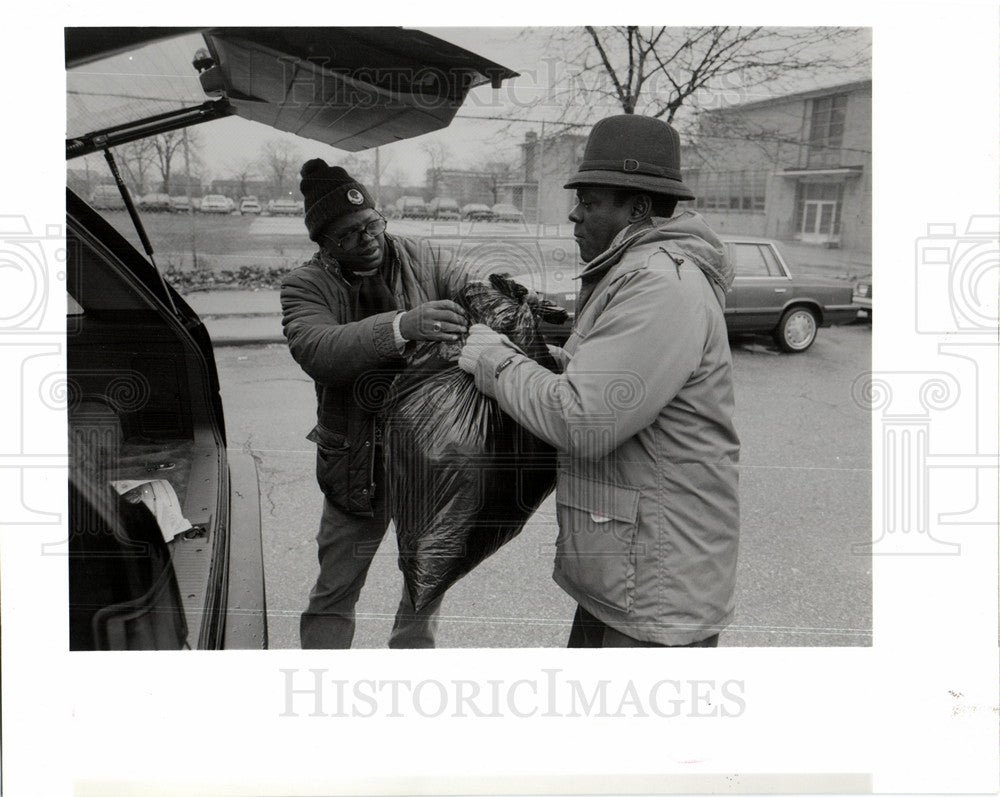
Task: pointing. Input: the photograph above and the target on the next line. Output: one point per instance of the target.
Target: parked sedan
(476, 212)
(765, 297)
(216, 203)
(863, 294)
(284, 207)
(249, 204)
(502, 212)
(155, 203)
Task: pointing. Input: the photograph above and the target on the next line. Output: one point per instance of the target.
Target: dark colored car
(863, 294)
(765, 297)
(164, 519)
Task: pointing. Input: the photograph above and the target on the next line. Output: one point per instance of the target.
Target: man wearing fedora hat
(642, 415)
(348, 315)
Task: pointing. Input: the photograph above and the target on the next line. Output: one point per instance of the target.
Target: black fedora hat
(630, 151)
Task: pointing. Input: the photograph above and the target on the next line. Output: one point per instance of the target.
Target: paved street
(805, 490)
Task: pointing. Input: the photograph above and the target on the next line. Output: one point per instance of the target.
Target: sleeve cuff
(400, 340)
(492, 363)
(385, 335)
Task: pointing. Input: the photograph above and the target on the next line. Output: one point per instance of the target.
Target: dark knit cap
(329, 192)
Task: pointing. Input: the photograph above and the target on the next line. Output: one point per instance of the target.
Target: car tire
(796, 331)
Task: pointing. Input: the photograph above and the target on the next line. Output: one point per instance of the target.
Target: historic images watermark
(317, 692)
(32, 348)
(938, 423)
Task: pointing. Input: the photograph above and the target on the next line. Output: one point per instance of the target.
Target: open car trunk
(144, 405)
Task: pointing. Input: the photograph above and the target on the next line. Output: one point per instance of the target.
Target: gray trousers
(347, 544)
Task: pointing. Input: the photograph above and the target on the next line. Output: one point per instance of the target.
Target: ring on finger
(437, 326)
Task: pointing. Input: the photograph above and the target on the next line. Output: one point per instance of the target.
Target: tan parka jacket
(642, 418)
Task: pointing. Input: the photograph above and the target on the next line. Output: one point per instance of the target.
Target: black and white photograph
(700, 475)
(413, 374)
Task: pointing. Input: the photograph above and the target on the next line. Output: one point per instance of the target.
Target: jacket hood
(688, 232)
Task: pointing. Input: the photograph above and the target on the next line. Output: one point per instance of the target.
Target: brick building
(796, 168)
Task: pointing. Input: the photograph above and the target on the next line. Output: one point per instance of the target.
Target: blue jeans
(347, 544)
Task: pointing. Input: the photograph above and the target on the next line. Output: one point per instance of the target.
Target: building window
(730, 191)
(826, 130)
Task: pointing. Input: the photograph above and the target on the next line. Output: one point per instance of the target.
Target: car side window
(752, 262)
(772, 261)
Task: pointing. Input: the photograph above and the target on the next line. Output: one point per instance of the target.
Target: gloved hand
(438, 320)
(481, 337)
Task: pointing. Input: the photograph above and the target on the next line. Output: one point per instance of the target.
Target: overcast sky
(522, 104)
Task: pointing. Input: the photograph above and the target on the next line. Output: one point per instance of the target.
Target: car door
(761, 287)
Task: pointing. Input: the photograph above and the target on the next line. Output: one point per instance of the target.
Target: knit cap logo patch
(354, 197)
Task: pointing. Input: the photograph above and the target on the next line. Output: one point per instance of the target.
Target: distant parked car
(216, 203)
(765, 298)
(155, 203)
(476, 212)
(107, 197)
(504, 212)
(284, 207)
(444, 208)
(249, 204)
(181, 204)
(412, 207)
(863, 294)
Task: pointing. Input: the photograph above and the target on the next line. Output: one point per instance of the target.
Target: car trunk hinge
(146, 245)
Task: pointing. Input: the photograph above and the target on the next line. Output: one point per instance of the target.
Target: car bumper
(246, 606)
(834, 314)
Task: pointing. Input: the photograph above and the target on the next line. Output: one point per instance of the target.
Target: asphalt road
(805, 495)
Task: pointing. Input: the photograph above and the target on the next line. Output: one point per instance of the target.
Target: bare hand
(442, 319)
(481, 337)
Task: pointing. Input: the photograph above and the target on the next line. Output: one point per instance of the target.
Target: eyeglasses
(353, 239)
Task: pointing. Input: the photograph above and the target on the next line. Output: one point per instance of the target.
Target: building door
(817, 221)
(818, 212)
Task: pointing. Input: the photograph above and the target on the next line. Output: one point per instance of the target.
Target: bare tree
(280, 160)
(244, 171)
(438, 156)
(655, 71)
(499, 172)
(369, 168)
(137, 158)
(165, 148)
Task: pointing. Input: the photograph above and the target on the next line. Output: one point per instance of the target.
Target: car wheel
(796, 330)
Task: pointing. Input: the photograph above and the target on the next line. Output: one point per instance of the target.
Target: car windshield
(137, 84)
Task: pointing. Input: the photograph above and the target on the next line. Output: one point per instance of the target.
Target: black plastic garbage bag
(463, 477)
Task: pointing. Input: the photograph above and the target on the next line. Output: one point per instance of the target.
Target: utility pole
(378, 188)
(541, 177)
(187, 190)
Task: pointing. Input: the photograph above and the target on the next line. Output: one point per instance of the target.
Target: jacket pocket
(332, 463)
(596, 547)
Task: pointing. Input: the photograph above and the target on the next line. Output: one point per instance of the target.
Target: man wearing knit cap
(642, 416)
(348, 315)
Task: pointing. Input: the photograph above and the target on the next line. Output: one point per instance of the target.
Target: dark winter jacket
(352, 360)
